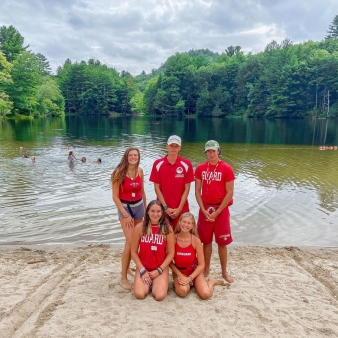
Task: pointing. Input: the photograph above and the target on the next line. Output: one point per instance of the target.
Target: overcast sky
(140, 35)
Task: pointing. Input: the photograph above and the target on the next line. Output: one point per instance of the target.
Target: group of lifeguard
(164, 233)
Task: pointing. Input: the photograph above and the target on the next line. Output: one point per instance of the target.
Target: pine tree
(333, 29)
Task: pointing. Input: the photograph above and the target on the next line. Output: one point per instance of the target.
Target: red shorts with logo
(220, 227)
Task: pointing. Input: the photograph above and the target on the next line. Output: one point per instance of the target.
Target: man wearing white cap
(214, 189)
(172, 176)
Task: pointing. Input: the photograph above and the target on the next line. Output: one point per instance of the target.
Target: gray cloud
(140, 35)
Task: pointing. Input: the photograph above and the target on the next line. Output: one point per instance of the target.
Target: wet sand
(75, 292)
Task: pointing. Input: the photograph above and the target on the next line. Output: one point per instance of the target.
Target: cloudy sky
(140, 35)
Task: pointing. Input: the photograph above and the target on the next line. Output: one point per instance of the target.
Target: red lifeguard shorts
(220, 227)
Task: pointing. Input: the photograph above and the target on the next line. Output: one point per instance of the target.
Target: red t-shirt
(172, 179)
(152, 249)
(131, 189)
(213, 179)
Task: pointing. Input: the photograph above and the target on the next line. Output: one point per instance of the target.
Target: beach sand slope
(75, 292)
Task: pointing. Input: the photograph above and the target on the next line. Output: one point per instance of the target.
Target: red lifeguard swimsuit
(185, 258)
(152, 251)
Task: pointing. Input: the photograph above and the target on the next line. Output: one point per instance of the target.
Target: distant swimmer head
(98, 160)
(83, 159)
(33, 158)
(24, 156)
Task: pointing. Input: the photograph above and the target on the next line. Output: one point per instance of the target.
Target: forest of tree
(285, 80)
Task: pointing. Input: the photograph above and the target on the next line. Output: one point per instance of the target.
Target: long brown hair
(163, 225)
(120, 172)
(193, 230)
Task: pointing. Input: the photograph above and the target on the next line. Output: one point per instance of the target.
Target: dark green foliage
(11, 43)
(333, 29)
(93, 88)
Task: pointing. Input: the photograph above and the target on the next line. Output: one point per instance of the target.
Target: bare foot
(213, 281)
(228, 277)
(206, 272)
(126, 284)
(130, 272)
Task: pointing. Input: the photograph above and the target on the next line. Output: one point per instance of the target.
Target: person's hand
(128, 222)
(169, 211)
(184, 280)
(208, 216)
(146, 279)
(175, 213)
(153, 274)
(213, 216)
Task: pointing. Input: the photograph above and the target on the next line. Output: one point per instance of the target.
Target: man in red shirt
(172, 176)
(214, 189)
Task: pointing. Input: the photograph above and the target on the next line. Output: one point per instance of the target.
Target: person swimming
(97, 161)
(71, 157)
(83, 160)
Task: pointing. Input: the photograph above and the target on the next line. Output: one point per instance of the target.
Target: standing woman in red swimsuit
(188, 264)
(152, 250)
(130, 200)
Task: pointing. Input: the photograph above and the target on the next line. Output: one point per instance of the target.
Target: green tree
(49, 98)
(333, 29)
(26, 79)
(43, 64)
(11, 43)
(5, 79)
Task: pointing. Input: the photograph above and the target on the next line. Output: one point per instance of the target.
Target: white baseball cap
(174, 139)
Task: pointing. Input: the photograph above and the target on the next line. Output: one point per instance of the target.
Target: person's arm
(135, 242)
(142, 190)
(198, 188)
(160, 197)
(229, 188)
(127, 219)
(169, 257)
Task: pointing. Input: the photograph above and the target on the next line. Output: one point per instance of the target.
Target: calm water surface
(286, 190)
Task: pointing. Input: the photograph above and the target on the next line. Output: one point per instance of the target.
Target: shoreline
(73, 291)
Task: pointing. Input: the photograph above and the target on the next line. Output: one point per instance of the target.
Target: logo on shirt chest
(179, 172)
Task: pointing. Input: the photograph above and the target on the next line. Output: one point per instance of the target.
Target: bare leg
(207, 251)
(140, 289)
(160, 285)
(223, 257)
(181, 290)
(204, 288)
(125, 258)
(130, 271)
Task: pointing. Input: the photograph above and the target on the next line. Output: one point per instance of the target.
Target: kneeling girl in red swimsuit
(152, 250)
(188, 264)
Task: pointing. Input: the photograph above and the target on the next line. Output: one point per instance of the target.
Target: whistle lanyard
(209, 178)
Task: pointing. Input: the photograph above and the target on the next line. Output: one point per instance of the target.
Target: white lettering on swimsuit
(211, 176)
(183, 253)
(153, 239)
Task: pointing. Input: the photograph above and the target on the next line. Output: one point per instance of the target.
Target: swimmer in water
(24, 156)
(97, 161)
(71, 157)
(33, 159)
(83, 160)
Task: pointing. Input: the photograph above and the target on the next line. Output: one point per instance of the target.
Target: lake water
(286, 190)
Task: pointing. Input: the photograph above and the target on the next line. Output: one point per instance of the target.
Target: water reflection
(286, 189)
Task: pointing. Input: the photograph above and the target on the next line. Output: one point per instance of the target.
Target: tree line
(284, 80)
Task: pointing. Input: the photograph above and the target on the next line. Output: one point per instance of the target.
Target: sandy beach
(75, 292)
